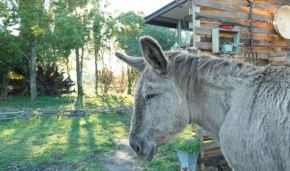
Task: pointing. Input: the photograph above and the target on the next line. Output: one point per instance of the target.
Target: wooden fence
(77, 112)
(9, 113)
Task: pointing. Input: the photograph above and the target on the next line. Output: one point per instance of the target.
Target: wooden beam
(212, 151)
(238, 15)
(208, 46)
(278, 41)
(215, 5)
(211, 158)
(257, 4)
(209, 145)
(195, 23)
(281, 2)
(228, 20)
(234, 6)
(179, 32)
(246, 42)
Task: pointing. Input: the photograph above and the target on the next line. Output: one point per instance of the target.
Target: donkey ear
(137, 63)
(153, 54)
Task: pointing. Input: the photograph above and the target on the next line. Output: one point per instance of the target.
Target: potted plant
(188, 151)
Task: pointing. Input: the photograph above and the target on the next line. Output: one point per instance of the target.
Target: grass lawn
(71, 143)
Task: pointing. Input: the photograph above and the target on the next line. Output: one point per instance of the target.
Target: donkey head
(160, 110)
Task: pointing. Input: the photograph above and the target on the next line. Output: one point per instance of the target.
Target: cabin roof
(168, 15)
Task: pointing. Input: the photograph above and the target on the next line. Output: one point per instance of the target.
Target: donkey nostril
(136, 147)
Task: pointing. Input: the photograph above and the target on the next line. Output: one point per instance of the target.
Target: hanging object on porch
(178, 4)
(227, 26)
(282, 22)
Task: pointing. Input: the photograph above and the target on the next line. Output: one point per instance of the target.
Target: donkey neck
(208, 83)
(208, 106)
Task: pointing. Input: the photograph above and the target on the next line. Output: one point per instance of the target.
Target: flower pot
(227, 48)
(188, 161)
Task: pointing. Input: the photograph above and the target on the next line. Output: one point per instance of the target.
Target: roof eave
(162, 11)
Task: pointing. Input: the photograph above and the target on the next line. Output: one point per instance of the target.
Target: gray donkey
(245, 107)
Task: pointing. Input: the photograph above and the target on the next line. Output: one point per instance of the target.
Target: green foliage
(67, 34)
(132, 27)
(166, 37)
(3, 9)
(8, 47)
(189, 145)
(103, 29)
(9, 59)
(34, 18)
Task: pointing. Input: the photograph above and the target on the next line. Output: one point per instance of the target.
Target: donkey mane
(189, 68)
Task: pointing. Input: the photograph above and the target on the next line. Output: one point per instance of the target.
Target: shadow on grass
(106, 101)
(22, 142)
(70, 143)
(74, 134)
(79, 103)
(90, 133)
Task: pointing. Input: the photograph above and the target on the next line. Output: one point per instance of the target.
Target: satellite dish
(282, 22)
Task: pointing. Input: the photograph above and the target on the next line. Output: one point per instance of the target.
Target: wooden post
(195, 23)
(200, 166)
(179, 32)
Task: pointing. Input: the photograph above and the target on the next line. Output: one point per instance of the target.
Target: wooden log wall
(266, 40)
(210, 149)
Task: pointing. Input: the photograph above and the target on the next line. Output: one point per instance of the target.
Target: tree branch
(25, 56)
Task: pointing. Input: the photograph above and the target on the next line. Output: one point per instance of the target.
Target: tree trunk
(33, 90)
(67, 67)
(78, 70)
(4, 86)
(81, 69)
(131, 76)
(122, 84)
(96, 71)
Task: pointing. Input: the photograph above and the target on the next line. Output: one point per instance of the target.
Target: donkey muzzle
(144, 151)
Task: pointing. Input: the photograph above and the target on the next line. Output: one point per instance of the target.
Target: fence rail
(9, 113)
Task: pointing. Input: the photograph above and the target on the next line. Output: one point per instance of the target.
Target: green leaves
(8, 47)
(132, 26)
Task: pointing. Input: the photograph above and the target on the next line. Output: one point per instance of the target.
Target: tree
(72, 32)
(166, 37)
(9, 57)
(66, 36)
(103, 31)
(34, 19)
(132, 27)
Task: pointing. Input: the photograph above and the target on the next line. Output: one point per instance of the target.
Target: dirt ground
(220, 165)
(124, 159)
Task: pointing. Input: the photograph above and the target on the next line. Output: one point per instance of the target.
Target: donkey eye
(150, 96)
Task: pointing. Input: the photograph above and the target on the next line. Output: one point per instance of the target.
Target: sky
(146, 6)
